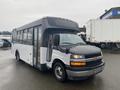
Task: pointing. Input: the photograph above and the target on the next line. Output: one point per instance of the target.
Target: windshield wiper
(80, 44)
(67, 43)
(71, 44)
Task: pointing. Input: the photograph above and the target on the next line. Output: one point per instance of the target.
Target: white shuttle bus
(52, 43)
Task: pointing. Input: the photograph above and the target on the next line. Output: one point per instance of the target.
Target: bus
(52, 43)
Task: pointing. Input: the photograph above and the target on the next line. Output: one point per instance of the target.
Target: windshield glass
(68, 39)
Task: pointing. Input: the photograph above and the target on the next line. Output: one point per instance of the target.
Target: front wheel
(59, 72)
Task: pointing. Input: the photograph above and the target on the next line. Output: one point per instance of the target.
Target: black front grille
(93, 63)
(92, 55)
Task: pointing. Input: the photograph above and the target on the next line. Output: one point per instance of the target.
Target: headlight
(77, 56)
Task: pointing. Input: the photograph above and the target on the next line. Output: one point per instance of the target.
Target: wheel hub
(58, 72)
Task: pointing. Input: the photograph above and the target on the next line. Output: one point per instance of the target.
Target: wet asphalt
(20, 76)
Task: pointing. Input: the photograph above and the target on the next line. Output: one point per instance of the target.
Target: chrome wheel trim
(58, 72)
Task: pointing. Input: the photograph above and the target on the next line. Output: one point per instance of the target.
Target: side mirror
(56, 40)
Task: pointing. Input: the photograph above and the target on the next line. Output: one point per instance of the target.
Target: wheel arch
(57, 60)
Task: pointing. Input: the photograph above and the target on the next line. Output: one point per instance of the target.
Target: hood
(85, 49)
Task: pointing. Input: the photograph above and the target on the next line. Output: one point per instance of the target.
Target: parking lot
(20, 76)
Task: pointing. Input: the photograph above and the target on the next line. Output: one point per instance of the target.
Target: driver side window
(56, 40)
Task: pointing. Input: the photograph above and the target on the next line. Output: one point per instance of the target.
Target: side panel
(25, 51)
(103, 30)
(116, 30)
(65, 58)
(43, 54)
(88, 31)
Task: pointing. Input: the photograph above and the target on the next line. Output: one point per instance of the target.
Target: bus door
(35, 46)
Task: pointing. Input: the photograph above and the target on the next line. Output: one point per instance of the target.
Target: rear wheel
(17, 56)
(103, 45)
(59, 72)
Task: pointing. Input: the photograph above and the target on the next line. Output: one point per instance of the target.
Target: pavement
(21, 76)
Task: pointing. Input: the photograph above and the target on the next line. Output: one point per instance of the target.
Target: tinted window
(18, 36)
(25, 36)
(21, 37)
(30, 36)
(14, 36)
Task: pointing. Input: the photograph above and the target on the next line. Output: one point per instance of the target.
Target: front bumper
(86, 72)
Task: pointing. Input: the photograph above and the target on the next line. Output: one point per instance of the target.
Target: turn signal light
(77, 63)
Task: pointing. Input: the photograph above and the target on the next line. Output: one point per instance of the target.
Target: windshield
(68, 39)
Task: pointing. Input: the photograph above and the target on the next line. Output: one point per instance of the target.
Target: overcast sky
(15, 13)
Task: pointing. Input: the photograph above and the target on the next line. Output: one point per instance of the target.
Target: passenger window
(21, 36)
(18, 36)
(14, 36)
(40, 33)
(25, 36)
(30, 36)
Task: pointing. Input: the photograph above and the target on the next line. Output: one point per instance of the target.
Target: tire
(103, 45)
(91, 77)
(59, 72)
(17, 56)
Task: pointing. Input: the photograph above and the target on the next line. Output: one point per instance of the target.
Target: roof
(114, 8)
(52, 22)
